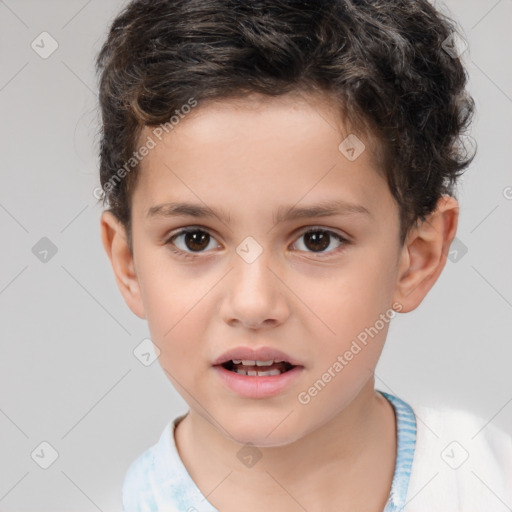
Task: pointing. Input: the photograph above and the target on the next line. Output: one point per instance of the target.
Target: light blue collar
(406, 442)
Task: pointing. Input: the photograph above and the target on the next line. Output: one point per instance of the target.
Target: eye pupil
(321, 239)
(195, 240)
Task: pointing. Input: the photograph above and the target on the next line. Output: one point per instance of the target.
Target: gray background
(68, 374)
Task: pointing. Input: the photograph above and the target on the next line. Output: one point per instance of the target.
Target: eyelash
(187, 255)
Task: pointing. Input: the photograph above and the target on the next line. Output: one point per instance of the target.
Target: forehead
(259, 148)
(254, 114)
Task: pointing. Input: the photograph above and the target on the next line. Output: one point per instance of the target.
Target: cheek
(355, 304)
(352, 297)
(165, 291)
(177, 307)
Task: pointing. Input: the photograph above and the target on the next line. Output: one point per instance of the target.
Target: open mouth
(257, 368)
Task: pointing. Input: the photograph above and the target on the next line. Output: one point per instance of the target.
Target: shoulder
(137, 481)
(461, 462)
(158, 481)
(142, 477)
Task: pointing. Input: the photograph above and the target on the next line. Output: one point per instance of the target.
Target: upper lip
(256, 354)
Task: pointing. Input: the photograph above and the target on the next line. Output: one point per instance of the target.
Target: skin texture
(248, 158)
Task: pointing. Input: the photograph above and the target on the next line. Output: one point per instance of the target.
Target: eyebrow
(323, 209)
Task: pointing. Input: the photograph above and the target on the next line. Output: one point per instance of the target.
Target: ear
(424, 254)
(115, 242)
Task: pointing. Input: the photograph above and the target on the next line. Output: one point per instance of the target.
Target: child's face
(250, 164)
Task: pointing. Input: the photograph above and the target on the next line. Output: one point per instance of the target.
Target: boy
(237, 136)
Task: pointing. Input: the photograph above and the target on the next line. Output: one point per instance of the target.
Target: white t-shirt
(447, 461)
(461, 463)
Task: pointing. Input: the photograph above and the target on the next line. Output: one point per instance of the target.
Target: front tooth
(264, 363)
(247, 362)
(271, 372)
(258, 374)
(237, 361)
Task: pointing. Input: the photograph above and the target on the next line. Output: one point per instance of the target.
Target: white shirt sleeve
(462, 463)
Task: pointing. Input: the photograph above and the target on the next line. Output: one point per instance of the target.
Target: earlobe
(114, 239)
(424, 254)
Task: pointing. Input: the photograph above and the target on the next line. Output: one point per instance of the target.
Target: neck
(355, 449)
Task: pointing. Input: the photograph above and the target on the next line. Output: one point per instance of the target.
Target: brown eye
(196, 240)
(318, 240)
(192, 240)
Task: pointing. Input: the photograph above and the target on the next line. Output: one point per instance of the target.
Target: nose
(256, 296)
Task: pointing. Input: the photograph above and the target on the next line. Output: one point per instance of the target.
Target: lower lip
(252, 386)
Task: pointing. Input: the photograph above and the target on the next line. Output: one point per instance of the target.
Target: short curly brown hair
(383, 62)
